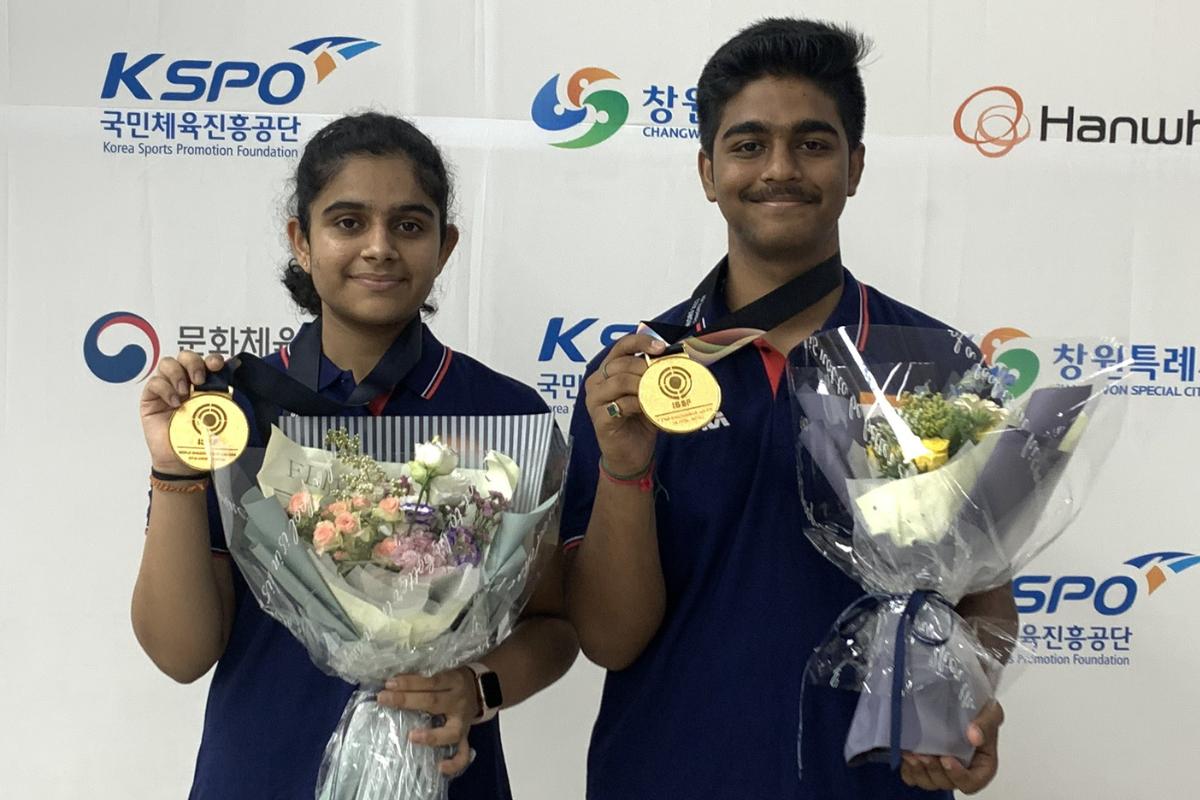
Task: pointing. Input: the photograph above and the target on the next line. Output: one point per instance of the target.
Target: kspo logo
(560, 336)
(132, 360)
(195, 79)
(1111, 596)
(993, 119)
(607, 109)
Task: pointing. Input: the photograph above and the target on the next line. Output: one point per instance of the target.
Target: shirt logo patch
(719, 421)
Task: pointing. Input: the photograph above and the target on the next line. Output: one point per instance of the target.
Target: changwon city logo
(598, 112)
(1138, 369)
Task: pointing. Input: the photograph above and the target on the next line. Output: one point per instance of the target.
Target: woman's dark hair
(827, 55)
(361, 134)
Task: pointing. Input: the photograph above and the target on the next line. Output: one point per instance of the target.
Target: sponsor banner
(1018, 185)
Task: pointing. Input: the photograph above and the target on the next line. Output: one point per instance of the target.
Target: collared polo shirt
(711, 707)
(270, 711)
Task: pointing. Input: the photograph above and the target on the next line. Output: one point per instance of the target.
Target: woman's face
(373, 248)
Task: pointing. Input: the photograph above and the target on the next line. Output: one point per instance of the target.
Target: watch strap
(486, 712)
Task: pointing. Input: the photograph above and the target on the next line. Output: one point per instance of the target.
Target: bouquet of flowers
(380, 567)
(927, 478)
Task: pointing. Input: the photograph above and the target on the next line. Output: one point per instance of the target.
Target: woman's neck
(355, 347)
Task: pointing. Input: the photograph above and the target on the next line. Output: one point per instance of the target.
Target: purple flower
(419, 513)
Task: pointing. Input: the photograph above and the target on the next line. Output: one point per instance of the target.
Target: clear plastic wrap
(414, 555)
(928, 475)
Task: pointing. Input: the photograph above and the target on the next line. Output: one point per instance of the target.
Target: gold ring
(613, 409)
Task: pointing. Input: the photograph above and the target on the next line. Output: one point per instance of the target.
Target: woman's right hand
(164, 392)
(626, 440)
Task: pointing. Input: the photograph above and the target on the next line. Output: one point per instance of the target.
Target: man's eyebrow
(814, 126)
(801, 127)
(749, 126)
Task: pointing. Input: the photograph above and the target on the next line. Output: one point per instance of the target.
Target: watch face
(489, 682)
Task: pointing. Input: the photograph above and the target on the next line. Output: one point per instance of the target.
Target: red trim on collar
(431, 389)
(285, 353)
(376, 406)
(774, 363)
(864, 318)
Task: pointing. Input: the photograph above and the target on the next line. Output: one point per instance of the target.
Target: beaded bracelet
(179, 484)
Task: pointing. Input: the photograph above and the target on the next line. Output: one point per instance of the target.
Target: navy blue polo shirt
(710, 709)
(270, 711)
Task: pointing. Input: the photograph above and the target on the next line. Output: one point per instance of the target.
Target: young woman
(369, 236)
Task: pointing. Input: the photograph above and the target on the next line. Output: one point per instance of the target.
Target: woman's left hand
(451, 695)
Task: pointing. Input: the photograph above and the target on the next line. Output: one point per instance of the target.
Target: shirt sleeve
(582, 472)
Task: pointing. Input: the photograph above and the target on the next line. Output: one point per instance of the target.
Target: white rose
(502, 473)
(449, 489)
(436, 457)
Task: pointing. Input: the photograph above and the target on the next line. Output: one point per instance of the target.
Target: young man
(690, 578)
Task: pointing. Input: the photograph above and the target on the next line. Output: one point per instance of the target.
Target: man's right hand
(626, 438)
(164, 392)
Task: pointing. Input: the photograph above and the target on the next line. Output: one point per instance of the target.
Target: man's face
(781, 169)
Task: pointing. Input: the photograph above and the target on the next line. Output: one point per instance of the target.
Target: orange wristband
(180, 487)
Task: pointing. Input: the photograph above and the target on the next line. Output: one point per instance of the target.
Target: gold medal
(679, 395)
(209, 431)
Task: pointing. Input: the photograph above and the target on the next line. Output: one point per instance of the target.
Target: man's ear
(704, 165)
(857, 163)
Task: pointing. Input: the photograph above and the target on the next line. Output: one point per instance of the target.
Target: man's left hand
(946, 772)
(450, 694)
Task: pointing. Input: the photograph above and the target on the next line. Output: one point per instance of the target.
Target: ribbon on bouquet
(852, 619)
(907, 624)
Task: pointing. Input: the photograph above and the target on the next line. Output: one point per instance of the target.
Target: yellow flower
(938, 453)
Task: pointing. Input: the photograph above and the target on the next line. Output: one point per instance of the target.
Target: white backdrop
(1069, 238)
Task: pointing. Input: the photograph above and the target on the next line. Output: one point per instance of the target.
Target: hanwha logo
(210, 420)
(675, 383)
(992, 119)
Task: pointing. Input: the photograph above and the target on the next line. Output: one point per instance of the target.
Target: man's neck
(751, 277)
(353, 347)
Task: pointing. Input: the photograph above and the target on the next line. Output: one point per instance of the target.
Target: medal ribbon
(271, 391)
(739, 328)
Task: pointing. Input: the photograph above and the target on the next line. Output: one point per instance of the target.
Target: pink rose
(325, 537)
(387, 548)
(337, 509)
(388, 509)
(301, 503)
(358, 501)
(346, 522)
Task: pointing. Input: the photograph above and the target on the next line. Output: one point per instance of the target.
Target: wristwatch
(487, 690)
